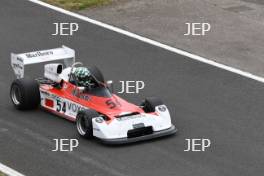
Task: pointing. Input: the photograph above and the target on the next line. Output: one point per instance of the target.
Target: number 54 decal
(61, 106)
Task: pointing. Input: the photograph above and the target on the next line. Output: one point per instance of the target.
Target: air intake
(139, 132)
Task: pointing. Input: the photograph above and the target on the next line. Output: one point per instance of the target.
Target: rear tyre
(84, 123)
(97, 73)
(150, 103)
(24, 94)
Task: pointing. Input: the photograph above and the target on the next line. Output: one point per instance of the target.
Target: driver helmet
(83, 76)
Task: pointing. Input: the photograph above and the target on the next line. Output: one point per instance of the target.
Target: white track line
(152, 42)
(8, 171)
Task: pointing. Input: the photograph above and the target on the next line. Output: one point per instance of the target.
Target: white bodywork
(53, 71)
(119, 127)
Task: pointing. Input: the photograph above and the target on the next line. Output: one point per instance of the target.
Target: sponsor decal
(67, 106)
(78, 94)
(39, 53)
(49, 103)
(99, 119)
(129, 117)
(17, 66)
(54, 96)
(73, 107)
(162, 108)
(19, 59)
(45, 93)
(85, 97)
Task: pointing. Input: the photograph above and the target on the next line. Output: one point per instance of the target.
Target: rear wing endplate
(18, 61)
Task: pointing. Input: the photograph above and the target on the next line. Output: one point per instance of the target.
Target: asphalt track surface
(205, 102)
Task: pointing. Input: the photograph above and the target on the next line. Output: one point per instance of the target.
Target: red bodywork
(109, 106)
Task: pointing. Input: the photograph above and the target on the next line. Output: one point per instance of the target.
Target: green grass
(77, 4)
(2, 174)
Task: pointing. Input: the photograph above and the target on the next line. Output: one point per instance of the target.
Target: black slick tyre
(84, 123)
(149, 104)
(24, 94)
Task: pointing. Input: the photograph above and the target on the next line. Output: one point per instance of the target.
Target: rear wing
(18, 61)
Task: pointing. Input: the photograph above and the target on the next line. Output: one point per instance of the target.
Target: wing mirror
(110, 85)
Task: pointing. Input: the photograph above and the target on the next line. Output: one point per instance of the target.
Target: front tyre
(149, 104)
(84, 123)
(24, 94)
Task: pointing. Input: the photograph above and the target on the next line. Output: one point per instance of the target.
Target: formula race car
(80, 94)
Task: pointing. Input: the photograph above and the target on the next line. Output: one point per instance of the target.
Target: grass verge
(2, 174)
(77, 4)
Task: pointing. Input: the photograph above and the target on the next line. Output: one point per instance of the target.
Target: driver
(83, 77)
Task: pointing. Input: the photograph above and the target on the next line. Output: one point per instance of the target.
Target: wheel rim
(16, 95)
(81, 127)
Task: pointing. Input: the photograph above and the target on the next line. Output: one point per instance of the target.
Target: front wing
(135, 127)
(170, 131)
